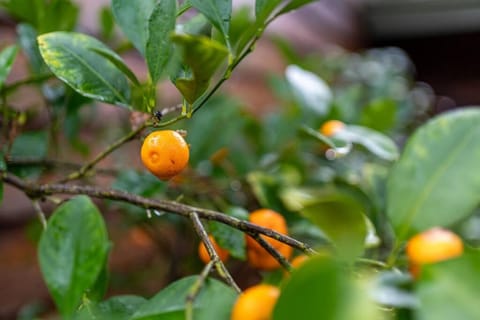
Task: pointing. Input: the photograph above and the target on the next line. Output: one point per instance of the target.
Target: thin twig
(39, 212)
(88, 166)
(272, 251)
(217, 262)
(195, 290)
(35, 190)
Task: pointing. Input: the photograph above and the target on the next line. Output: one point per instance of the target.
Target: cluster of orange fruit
(257, 256)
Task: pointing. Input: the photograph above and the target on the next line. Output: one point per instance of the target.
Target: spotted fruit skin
(165, 153)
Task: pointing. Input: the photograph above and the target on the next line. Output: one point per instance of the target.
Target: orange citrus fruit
(299, 260)
(433, 245)
(256, 303)
(258, 257)
(331, 127)
(203, 253)
(165, 153)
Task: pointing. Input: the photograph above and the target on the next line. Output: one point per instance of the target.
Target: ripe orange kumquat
(256, 303)
(331, 127)
(433, 245)
(165, 153)
(258, 257)
(205, 257)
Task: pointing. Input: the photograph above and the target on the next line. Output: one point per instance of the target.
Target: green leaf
(45, 16)
(202, 56)
(27, 36)
(72, 252)
(230, 238)
(218, 12)
(141, 183)
(7, 57)
(379, 115)
(56, 15)
(107, 22)
(117, 307)
(375, 142)
(309, 89)
(98, 290)
(28, 145)
(22, 9)
(449, 290)
(118, 62)
(264, 8)
(133, 17)
(294, 4)
(433, 183)
(340, 217)
(322, 289)
(159, 47)
(214, 301)
(74, 58)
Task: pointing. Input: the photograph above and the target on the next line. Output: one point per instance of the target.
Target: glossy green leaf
(214, 301)
(230, 238)
(106, 21)
(117, 307)
(141, 183)
(202, 56)
(159, 47)
(264, 8)
(22, 9)
(7, 57)
(27, 36)
(322, 288)
(341, 218)
(295, 4)
(217, 11)
(117, 62)
(56, 15)
(74, 58)
(45, 16)
(98, 290)
(393, 289)
(28, 145)
(375, 142)
(132, 17)
(309, 89)
(449, 290)
(72, 252)
(433, 183)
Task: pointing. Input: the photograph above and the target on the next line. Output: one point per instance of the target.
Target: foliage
(353, 198)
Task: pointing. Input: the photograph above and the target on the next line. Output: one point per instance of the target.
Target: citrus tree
(349, 201)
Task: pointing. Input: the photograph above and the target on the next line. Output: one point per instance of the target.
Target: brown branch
(217, 262)
(35, 190)
(195, 290)
(272, 251)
